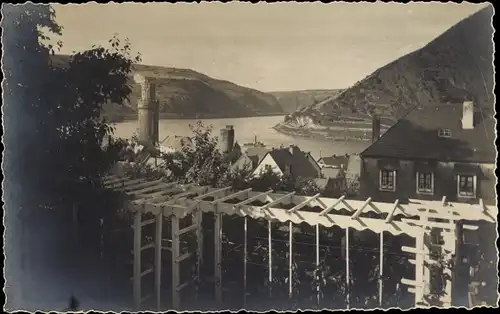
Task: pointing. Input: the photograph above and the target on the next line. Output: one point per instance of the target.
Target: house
(438, 151)
(175, 143)
(332, 182)
(334, 161)
(250, 159)
(288, 161)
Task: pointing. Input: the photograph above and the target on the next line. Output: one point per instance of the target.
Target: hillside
(188, 94)
(455, 66)
(292, 101)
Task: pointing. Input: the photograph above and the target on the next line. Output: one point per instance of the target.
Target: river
(245, 131)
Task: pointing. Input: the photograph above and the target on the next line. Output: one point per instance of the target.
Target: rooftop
(301, 165)
(416, 136)
(335, 160)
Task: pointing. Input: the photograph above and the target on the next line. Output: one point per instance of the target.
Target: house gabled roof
(301, 165)
(416, 136)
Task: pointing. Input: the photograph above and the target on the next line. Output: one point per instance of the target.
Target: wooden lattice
(164, 199)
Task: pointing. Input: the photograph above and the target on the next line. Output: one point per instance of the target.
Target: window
(466, 186)
(444, 133)
(387, 180)
(425, 182)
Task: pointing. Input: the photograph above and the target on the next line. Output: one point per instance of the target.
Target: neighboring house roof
(333, 173)
(301, 165)
(251, 157)
(177, 143)
(246, 161)
(416, 136)
(334, 161)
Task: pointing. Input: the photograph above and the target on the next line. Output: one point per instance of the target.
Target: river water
(245, 131)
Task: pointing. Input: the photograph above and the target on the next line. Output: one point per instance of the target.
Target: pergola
(170, 200)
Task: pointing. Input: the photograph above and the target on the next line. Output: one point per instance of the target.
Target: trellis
(415, 219)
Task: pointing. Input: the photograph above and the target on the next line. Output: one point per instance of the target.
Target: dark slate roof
(416, 136)
(301, 166)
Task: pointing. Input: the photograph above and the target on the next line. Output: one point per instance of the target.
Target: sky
(269, 47)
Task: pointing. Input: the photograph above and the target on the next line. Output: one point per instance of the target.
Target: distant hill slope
(292, 101)
(187, 93)
(455, 66)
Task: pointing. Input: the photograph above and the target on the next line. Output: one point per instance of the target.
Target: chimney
(291, 148)
(468, 115)
(375, 128)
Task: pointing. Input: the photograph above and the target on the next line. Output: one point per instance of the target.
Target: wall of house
(268, 160)
(445, 182)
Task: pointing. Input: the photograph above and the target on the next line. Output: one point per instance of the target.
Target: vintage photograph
(236, 156)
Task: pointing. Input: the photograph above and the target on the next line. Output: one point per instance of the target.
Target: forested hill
(187, 93)
(455, 66)
(292, 101)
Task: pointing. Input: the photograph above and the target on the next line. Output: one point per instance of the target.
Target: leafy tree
(55, 133)
(55, 151)
(202, 164)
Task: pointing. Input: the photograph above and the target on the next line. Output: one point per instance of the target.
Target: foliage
(53, 113)
(204, 164)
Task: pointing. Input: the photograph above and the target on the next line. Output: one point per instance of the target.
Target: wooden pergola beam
(459, 210)
(393, 211)
(360, 210)
(304, 203)
(214, 192)
(277, 201)
(251, 199)
(230, 196)
(331, 207)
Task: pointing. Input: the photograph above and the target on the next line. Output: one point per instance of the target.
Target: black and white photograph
(258, 156)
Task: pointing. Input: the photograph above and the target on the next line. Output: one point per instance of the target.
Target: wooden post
(420, 264)
(218, 252)
(381, 270)
(317, 265)
(158, 259)
(348, 296)
(270, 255)
(137, 259)
(290, 241)
(245, 263)
(199, 247)
(175, 264)
(450, 244)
